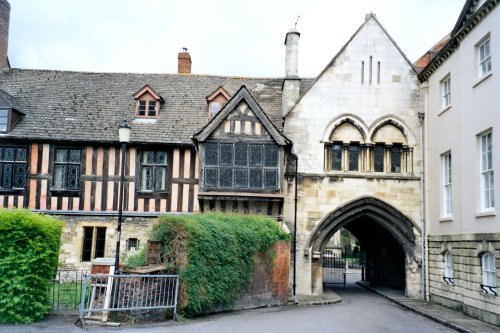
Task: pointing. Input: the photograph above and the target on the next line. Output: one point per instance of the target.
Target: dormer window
(146, 108)
(216, 101)
(147, 103)
(9, 112)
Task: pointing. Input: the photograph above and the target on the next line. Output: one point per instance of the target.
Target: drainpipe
(294, 285)
(421, 117)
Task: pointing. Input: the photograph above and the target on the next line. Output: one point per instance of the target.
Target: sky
(224, 37)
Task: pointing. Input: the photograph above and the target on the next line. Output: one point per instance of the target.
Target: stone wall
(320, 195)
(466, 294)
(72, 237)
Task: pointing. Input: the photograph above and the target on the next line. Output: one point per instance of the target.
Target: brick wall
(269, 286)
(184, 63)
(4, 32)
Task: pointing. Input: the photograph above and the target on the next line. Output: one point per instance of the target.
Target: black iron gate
(334, 268)
(66, 290)
(337, 266)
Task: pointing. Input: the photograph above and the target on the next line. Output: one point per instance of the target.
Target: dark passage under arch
(385, 234)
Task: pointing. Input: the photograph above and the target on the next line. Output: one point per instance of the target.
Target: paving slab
(441, 314)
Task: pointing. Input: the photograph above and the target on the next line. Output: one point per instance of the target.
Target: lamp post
(124, 135)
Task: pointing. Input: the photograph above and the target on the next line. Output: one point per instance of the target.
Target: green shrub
(214, 254)
(29, 249)
(138, 258)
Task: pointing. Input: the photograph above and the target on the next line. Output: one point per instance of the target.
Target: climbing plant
(214, 255)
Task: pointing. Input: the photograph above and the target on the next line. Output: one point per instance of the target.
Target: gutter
(421, 117)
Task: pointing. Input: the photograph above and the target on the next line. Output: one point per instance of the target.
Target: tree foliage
(29, 249)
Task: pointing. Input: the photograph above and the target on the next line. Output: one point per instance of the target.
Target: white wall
(474, 109)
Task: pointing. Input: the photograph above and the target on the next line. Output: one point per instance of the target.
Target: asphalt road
(359, 311)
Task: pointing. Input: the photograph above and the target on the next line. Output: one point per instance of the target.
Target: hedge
(29, 249)
(214, 254)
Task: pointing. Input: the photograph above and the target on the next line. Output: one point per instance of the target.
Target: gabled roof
(242, 95)
(88, 107)
(367, 19)
(217, 92)
(468, 19)
(148, 89)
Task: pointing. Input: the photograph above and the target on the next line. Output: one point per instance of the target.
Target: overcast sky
(224, 37)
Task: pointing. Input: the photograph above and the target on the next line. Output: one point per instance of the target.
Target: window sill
(241, 195)
(12, 191)
(152, 194)
(65, 193)
(481, 79)
(444, 110)
(485, 214)
(446, 219)
(145, 120)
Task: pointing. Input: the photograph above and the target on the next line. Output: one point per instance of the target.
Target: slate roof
(84, 106)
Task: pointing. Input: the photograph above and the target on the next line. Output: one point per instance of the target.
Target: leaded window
(337, 157)
(154, 171)
(241, 166)
(13, 167)
(378, 158)
(396, 158)
(353, 157)
(67, 165)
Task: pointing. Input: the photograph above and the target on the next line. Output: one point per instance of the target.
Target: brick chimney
(4, 33)
(184, 62)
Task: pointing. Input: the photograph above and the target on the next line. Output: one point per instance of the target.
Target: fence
(104, 293)
(66, 290)
(334, 268)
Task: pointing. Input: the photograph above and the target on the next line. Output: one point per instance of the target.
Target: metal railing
(66, 290)
(489, 289)
(104, 293)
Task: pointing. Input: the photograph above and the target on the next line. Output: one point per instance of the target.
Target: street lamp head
(124, 132)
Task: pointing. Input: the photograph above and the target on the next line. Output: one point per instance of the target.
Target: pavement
(442, 315)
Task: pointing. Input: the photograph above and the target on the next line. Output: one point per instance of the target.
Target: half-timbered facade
(60, 154)
(343, 150)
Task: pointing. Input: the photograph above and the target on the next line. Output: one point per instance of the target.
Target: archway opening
(385, 235)
(385, 258)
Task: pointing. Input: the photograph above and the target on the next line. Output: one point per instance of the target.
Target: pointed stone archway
(390, 238)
